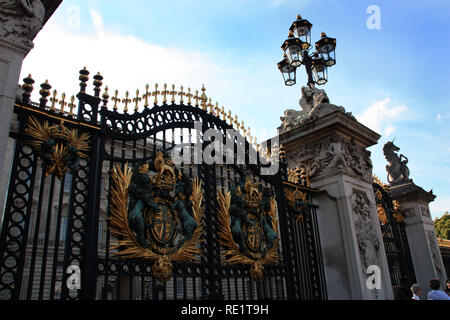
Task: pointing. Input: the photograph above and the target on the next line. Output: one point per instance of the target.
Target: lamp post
(296, 52)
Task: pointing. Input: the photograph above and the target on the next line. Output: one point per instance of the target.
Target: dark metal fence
(395, 239)
(57, 213)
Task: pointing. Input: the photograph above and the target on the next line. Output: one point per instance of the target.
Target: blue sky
(396, 79)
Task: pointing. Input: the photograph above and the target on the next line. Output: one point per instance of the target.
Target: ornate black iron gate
(73, 170)
(395, 240)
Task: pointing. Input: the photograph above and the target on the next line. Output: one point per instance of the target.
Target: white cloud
(380, 117)
(276, 3)
(439, 117)
(389, 130)
(129, 63)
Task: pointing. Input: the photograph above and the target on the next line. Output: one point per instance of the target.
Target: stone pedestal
(11, 57)
(422, 239)
(332, 147)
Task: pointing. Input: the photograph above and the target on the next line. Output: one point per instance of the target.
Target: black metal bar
(47, 235)
(89, 270)
(57, 236)
(36, 236)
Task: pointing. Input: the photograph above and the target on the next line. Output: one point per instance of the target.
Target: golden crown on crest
(165, 177)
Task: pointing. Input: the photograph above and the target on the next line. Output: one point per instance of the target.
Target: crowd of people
(415, 292)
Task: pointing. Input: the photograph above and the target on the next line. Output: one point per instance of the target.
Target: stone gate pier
(425, 251)
(331, 145)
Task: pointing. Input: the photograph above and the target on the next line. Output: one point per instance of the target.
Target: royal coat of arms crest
(248, 227)
(156, 214)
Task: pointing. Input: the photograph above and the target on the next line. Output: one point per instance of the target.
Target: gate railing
(395, 239)
(56, 235)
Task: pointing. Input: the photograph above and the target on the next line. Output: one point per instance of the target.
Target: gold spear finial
(204, 97)
(189, 96)
(165, 93)
(210, 106)
(155, 94)
(62, 103)
(182, 95)
(173, 93)
(71, 106)
(230, 118)
(54, 100)
(115, 99)
(126, 101)
(196, 98)
(146, 95)
(136, 101)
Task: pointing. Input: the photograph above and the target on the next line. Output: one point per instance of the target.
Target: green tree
(442, 226)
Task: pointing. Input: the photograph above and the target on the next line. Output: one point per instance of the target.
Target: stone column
(425, 253)
(20, 22)
(11, 57)
(331, 145)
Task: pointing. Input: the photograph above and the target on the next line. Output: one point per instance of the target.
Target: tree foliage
(442, 226)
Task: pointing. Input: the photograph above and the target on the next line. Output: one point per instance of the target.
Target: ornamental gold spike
(236, 122)
(115, 99)
(181, 94)
(146, 95)
(54, 100)
(155, 94)
(210, 106)
(165, 93)
(126, 101)
(222, 112)
(62, 103)
(204, 97)
(230, 118)
(196, 98)
(71, 106)
(189, 96)
(136, 101)
(173, 93)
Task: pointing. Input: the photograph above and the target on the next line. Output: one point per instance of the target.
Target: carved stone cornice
(410, 191)
(332, 143)
(330, 154)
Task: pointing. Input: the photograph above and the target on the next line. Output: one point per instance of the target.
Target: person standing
(447, 287)
(417, 292)
(436, 293)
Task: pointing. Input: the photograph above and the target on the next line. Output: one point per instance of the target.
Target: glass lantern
(292, 48)
(327, 49)
(320, 70)
(302, 29)
(288, 72)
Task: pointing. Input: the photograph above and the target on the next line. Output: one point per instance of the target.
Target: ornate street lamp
(287, 71)
(296, 50)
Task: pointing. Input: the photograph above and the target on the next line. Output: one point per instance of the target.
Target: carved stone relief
(332, 153)
(436, 253)
(21, 20)
(425, 211)
(368, 242)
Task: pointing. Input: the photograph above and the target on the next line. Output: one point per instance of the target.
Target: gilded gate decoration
(248, 228)
(92, 187)
(59, 147)
(158, 218)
